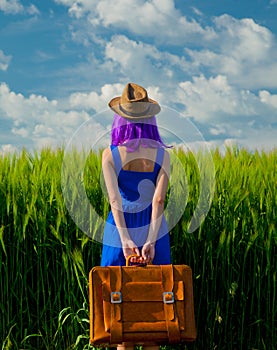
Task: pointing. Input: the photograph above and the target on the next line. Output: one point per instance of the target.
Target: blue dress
(137, 190)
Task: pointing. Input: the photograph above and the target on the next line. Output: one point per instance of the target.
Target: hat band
(134, 114)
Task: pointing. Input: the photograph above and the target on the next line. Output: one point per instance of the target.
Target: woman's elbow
(115, 203)
(158, 201)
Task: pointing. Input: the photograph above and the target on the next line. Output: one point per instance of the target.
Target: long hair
(132, 134)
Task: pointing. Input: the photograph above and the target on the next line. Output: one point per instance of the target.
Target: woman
(136, 170)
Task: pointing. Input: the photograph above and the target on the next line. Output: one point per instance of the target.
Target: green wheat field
(45, 257)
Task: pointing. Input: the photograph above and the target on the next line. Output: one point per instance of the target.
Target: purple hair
(132, 134)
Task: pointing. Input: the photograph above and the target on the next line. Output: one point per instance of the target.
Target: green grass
(45, 258)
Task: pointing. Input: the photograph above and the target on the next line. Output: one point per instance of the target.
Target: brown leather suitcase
(145, 305)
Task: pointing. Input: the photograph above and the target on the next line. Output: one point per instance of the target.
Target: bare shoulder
(106, 155)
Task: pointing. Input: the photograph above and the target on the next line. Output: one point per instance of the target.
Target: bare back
(142, 160)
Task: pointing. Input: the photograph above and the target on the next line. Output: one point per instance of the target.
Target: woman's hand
(148, 252)
(129, 248)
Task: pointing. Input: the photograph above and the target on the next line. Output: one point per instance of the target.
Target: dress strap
(116, 158)
(159, 159)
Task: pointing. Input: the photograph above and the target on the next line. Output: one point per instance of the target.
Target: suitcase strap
(172, 322)
(116, 324)
(170, 311)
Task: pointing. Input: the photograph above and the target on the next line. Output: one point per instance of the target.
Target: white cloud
(147, 18)
(209, 99)
(23, 132)
(153, 18)
(244, 38)
(269, 99)
(36, 121)
(240, 49)
(99, 102)
(41, 129)
(7, 148)
(244, 51)
(214, 100)
(196, 11)
(15, 7)
(224, 80)
(95, 101)
(17, 107)
(218, 130)
(11, 6)
(263, 139)
(4, 61)
(132, 59)
(129, 55)
(227, 113)
(32, 10)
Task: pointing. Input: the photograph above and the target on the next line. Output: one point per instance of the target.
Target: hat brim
(153, 108)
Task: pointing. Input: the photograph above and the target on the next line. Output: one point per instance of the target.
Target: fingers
(146, 253)
(130, 249)
(136, 260)
(136, 251)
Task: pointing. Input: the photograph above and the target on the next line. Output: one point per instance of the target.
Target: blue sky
(211, 62)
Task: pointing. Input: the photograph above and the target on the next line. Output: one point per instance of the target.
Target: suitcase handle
(134, 263)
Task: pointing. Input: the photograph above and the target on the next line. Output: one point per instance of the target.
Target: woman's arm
(115, 200)
(148, 250)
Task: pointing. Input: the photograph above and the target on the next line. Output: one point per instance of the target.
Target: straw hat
(134, 103)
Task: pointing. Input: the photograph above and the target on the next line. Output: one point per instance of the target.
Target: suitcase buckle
(168, 297)
(116, 297)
